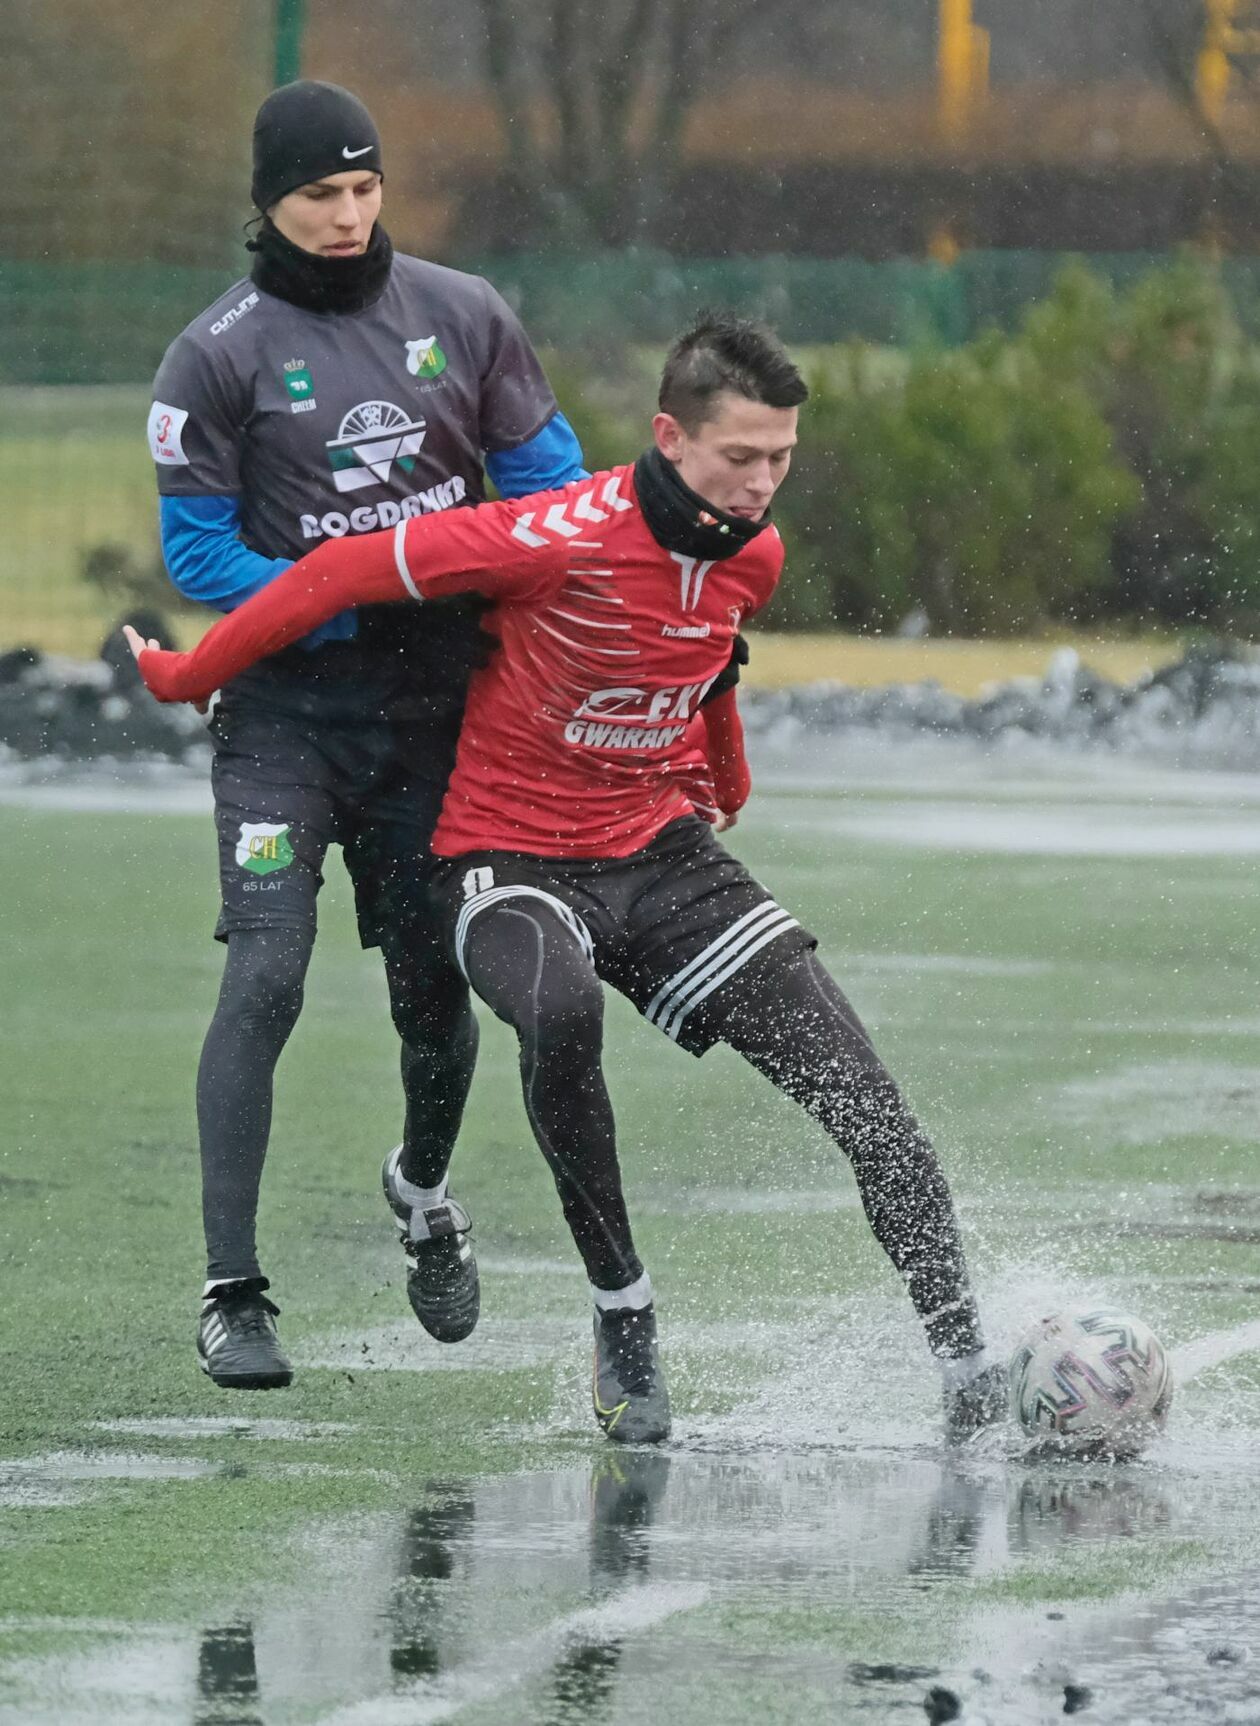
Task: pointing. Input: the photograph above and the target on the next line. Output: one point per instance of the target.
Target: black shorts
(284, 791)
(680, 928)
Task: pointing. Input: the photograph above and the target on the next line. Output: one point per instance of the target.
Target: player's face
(332, 217)
(738, 459)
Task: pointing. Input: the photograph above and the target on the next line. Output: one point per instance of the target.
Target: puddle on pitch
(66, 1477)
(224, 1426)
(1149, 1104)
(1030, 830)
(687, 1584)
(813, 1555)
(1037, 804)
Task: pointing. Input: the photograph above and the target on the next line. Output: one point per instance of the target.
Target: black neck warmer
(680, 520)
(315, 283)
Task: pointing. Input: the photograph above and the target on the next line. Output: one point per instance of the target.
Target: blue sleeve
(208, 563)
(551, 458)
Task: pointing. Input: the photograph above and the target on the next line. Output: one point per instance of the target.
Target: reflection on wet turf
(430, 1538)
(627, 1489)
(778, 1585)
(1047, 1511)
(227, 1678)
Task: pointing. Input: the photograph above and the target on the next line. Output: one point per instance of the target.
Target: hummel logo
(556, 523)
(693, 573)
(350, 154)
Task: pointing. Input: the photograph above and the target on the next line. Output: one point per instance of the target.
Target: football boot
(442, 1282)
(236, 1337)
(628, 1389)
(976, 1403)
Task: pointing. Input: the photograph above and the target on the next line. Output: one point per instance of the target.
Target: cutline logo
(237, 312)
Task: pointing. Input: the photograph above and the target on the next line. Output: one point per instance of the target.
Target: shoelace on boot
(246, 1313)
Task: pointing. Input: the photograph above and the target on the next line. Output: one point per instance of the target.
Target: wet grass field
(1060, 963)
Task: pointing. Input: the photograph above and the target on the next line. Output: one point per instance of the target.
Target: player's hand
(725, 821)
(137, 643)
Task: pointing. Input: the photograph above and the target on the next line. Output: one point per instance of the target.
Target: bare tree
(594, 97)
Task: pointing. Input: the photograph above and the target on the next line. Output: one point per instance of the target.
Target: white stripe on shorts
(765, 935)
(732, 949)
(495, 895)
(676, 982)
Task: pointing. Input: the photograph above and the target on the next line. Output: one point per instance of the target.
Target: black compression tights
(259, 1002)
(528, 968)
(800, 1032)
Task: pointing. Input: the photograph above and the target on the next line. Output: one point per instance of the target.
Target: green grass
(75, 473)
(1011, 993)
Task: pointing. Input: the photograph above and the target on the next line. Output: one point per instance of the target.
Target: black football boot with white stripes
(237, 1340)
(629, 1394)
(442, 1282)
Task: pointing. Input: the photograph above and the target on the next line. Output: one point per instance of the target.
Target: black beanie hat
(306, 131)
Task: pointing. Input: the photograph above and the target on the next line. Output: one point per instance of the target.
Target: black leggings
(259, 1002)
(528, 968)
(799, 1031)
(805, 1037)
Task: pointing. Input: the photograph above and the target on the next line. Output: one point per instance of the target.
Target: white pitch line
(1214, 1349)
(625, 1614)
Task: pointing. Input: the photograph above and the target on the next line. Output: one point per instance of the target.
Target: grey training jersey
(334, 424)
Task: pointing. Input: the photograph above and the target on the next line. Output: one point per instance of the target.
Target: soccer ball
(1091, 1383)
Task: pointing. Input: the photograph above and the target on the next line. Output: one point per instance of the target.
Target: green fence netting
(109, 323)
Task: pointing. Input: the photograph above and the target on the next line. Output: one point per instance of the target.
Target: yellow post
(962, 66)
(1211, 80)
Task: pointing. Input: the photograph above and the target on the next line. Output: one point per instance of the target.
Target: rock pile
(88, 710)
(1204, 710)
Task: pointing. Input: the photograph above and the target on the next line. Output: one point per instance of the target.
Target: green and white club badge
(298, 380)
(263, 847)
(425, 358)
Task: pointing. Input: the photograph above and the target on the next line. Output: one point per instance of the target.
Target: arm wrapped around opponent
(479, 550)
(428, 557)
(338, 574)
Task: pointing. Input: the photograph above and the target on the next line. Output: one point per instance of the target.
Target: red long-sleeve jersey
(575, 736)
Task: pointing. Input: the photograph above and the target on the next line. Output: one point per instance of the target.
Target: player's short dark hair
(722, 352)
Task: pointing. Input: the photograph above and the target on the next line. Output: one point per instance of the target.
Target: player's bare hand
(724, 821)
(138, 645)
(136, 642)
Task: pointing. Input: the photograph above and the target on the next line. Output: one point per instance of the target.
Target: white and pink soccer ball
(1091, 1382)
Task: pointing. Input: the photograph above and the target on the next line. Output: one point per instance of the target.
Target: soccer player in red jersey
(568, 848)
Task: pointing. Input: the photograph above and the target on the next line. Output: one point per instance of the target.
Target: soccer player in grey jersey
(338, 390)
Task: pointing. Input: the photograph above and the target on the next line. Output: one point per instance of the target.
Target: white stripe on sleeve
(400, 559)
